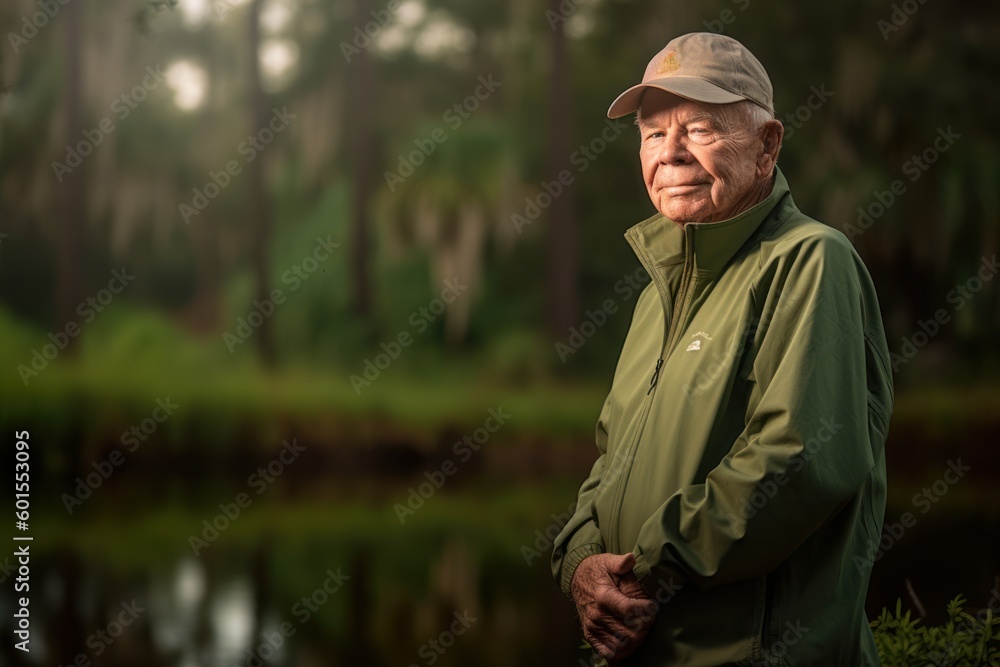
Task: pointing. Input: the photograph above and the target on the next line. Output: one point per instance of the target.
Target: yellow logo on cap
(669, 63)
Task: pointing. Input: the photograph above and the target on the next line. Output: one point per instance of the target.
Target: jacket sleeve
(580, 537)
(806, 448)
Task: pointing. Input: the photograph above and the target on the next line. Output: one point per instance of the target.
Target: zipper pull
(656, 375)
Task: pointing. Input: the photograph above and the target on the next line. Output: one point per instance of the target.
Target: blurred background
(304, 306)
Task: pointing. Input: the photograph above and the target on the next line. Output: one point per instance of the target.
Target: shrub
(966, 640)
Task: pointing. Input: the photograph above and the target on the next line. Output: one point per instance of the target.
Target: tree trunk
(69, 278)
(561, 291)
(260, 213)
(65, 624)
(360, 107)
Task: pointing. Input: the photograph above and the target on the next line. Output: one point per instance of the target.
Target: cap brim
(688, 87)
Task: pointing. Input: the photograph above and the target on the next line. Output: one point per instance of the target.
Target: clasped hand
(615, 611)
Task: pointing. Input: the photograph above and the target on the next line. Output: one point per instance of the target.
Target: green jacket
(741, 443)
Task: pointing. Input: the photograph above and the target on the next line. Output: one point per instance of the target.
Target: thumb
(624, 564)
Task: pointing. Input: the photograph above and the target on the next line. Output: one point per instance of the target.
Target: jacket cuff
(573, 560)
(660, 581)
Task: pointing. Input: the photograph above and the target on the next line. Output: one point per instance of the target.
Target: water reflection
(232, 622)
(218, 610)
(205, 616)
(174, 600)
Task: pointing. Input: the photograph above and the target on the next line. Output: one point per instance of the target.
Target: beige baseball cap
(704, 67)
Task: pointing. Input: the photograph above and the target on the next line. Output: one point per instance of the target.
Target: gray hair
(744, 115)
(756, 115)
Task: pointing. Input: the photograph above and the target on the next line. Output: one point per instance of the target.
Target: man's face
(699, 161)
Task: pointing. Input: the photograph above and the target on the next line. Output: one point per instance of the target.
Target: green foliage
(229, 400)
(518, 358)
(966, 640)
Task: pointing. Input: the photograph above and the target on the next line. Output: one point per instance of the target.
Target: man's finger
(631, 587)
(609, 643)
(612, 630)
(621, 605)
(617, 644)
(623, 565)
(617, 641)
(622, 631)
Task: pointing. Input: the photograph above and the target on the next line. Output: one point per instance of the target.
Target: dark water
(331, 600)
(322, 569)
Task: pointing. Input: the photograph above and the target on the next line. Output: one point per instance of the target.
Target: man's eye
(700, 131)
(654, 135)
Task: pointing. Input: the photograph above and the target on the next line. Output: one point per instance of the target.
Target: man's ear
(771, 136)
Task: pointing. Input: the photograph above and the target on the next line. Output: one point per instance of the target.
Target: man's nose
(674, 149)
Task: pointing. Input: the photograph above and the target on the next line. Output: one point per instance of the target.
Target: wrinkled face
(700, 162)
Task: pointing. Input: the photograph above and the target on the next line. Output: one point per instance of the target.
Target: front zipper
(618, 498)
(619, 495)
(679, 304)
(656, 375)
(770, 627)
(682, 289)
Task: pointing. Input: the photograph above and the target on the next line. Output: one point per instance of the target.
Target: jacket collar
(658, 241)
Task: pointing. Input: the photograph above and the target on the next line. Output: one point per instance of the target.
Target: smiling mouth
(681, 189)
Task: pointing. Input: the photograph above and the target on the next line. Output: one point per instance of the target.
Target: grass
(126, 363)
(130, 539)
(130, 358)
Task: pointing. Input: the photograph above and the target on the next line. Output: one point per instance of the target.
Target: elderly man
(731, 516)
